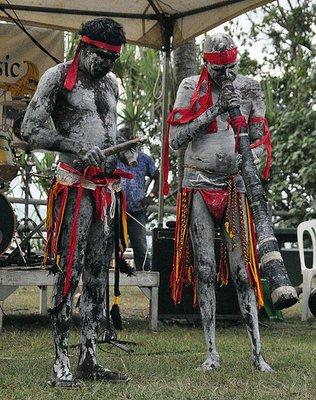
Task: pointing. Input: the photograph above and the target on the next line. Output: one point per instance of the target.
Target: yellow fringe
(252, 264)
(124, 226)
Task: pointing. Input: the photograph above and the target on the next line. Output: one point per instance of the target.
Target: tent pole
(165, 82)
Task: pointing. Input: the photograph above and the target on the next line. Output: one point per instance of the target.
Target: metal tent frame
(166, 21)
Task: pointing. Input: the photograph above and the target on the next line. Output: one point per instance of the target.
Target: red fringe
(102, 199)
(183, 271)
(266, 141)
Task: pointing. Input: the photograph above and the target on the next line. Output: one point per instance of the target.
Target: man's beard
(97, 70)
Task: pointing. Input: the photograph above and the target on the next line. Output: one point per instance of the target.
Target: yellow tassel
(252, 264)
(62, 217)
(116, 300)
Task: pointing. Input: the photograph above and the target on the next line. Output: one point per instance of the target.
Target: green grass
(164, 363)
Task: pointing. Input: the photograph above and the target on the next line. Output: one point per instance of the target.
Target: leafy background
(277, 48)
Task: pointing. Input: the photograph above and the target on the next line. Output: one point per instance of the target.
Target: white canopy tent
(151, 23)
(145, 21)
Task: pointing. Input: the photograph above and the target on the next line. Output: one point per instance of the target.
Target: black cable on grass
(19, 23)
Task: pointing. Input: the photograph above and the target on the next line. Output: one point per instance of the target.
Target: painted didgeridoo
(272, 266)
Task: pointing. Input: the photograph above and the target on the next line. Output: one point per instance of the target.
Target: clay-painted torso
(210, 158)
(88, 112)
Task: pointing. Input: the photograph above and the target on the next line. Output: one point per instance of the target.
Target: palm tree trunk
(184, 65)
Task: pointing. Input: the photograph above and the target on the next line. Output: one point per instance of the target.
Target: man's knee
(207, 273)
(240, 278)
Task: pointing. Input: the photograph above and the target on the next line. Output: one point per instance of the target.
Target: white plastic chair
(308, 273)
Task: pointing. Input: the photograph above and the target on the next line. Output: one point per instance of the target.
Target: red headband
(221, 57)
(71, 77)
(101, 45)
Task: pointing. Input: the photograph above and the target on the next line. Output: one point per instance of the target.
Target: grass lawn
(163, 365)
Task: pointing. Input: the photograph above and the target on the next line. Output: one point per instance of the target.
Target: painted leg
(61, 374)
(202, 234)
(246, 296)
(98, 257)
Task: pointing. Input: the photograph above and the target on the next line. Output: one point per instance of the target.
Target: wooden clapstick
(119, 148)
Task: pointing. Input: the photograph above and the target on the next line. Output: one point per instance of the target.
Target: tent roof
(142, 19)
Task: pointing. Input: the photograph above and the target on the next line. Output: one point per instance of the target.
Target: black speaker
(162, 256)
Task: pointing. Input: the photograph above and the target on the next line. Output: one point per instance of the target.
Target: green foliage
(44, 165)
(248, 66)
(139, 74)
(139, 71)
(71, 42)
(287, 72)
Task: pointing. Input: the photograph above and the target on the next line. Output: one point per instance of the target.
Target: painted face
(219, 73)
(97, 62)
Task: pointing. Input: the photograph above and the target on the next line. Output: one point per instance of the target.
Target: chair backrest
(310, 227)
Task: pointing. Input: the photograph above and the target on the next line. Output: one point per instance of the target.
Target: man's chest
(94, 96)
(245, 99)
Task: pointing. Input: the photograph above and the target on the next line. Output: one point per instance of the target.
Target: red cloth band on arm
(221, 57)
(266, 141)
(237, 123)
(71, 77)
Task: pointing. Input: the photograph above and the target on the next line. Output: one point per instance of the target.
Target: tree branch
(290, 4)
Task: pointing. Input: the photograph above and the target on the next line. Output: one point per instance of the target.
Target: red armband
(266, 141)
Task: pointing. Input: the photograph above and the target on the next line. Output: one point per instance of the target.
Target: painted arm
(37, 127)
(256, 128)
(181, 135)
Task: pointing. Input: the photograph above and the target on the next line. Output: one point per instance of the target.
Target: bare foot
(210, 364)
(260, 364)
(66, 384)
(61, 375)
(97, 372)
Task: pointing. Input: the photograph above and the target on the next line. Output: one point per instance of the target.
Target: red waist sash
(102, 199)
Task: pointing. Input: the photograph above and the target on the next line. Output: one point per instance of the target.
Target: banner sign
(21, 62)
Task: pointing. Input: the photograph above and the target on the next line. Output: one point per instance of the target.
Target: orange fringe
(253, 267)
(183, 271)
(124, 236)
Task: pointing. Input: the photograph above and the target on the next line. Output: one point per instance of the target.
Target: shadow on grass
(33, 322)
(37, 322)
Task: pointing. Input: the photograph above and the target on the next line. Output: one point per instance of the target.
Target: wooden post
(1, 316)
(43, 300)
(154, 309)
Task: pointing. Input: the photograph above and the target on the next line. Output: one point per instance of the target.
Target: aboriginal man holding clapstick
(81, 98)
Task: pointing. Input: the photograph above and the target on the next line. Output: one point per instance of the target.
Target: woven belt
(70, 179)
